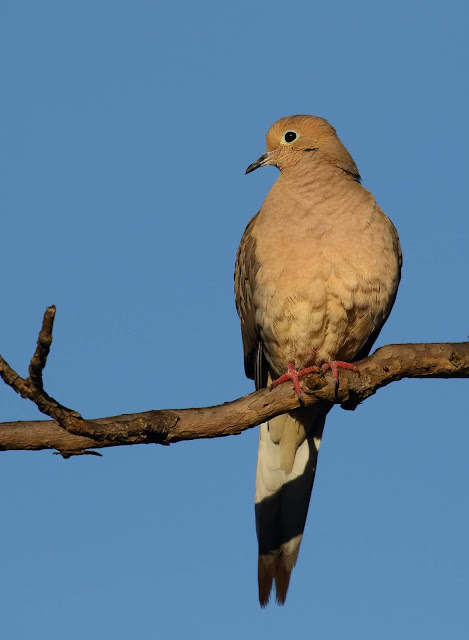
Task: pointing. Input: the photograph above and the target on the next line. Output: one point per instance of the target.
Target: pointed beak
(260, 162)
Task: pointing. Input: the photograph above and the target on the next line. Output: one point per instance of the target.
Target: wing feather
(246, 269)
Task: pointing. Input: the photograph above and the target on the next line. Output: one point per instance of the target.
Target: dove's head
(296, 139)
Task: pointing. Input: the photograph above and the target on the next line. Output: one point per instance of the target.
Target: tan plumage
(316, 276)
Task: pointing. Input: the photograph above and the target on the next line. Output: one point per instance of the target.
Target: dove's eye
(289, 136)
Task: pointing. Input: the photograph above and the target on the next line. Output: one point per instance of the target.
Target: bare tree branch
(71, 434)
(32, 387)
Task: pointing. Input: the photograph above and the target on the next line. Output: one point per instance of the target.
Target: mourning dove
(316, 277)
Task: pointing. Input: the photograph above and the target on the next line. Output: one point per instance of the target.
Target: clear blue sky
(126, 128)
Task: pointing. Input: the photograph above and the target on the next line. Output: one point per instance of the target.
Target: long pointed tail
(286, 465)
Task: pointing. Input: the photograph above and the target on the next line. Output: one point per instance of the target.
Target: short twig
(68, 454)
(32, 387)
(44, 341)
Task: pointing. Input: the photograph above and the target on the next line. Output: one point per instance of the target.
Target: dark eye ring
(290, 136)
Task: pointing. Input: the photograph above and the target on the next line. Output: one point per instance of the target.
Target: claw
(335, 365)
(294, 375)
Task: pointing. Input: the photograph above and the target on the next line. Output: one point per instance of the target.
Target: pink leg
(335, 365)
(294, 375)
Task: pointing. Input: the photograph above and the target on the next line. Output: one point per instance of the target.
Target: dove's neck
(312, 181)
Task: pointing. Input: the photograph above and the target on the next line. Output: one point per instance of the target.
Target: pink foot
(335, 365)
(294, 375)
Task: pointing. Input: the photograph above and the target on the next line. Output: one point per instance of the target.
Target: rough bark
(70, 434)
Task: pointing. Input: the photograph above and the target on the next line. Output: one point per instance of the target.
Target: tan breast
(329, 268)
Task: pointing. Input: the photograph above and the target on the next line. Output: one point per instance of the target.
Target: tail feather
(276, 567)
(282, 577)
(266, 570)
(286, 465)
